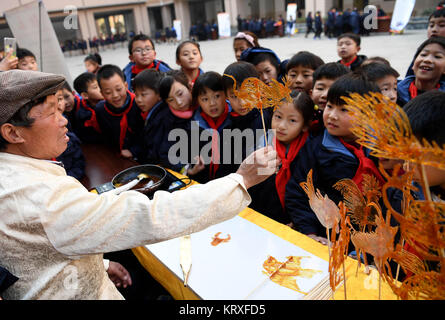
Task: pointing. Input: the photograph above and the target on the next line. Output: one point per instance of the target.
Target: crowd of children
(179, 118)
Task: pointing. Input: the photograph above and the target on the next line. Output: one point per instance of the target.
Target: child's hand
(119, 275)
(198, 167)
(8, 64)
(126, 153)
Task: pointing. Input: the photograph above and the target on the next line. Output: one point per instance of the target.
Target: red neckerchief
(366, 165)
(193, 81)
(124, 121)
(414, 92)
(144, 115)
(215, 124)
(136, 70)
(284, 173)
(235, 114)
(92, 122)
(348, 64)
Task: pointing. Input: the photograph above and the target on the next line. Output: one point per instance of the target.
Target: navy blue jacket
(226, 165)
(83, 127)
(156, 145)
(129, 76)
(110, 125)
(403, 95)
(331, 19)
(330, 162)
(72, 158)
(357, 63)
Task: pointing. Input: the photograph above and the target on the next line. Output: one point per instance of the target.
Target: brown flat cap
(19, 87)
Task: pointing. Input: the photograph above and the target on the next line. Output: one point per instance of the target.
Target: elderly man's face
(46, 138)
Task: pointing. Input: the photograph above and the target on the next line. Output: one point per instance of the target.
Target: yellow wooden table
(358, 287)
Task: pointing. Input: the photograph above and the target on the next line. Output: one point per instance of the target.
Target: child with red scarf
(86, 126)
(428, 67)
(168, 125)
(332, 155)
(119, 117)
(209, 121)
(348, 47)
(290, 122)
(189, 58)
(142, 57)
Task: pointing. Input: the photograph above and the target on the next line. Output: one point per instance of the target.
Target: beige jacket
(53, 231)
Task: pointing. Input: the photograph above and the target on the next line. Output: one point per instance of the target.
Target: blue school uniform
(156, 145)
(86, 126)
(403, 89)
(225, 166)
(330, 162)
(130, 74)
(72, 158)
(121, 127)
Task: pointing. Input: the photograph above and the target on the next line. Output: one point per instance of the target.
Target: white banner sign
(401, 15)
(34, 31)
(178, 27)
(224, 25)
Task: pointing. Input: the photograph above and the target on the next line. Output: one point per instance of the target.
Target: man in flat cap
(53, 231)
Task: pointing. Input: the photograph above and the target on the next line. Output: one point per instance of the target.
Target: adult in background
(54, 232)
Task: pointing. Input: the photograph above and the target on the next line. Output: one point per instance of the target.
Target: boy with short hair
(87, 128)
(147, 95)
(332, 155)
(384, 76)
(300, 68)
(426, 115)
(118, 115)
(436, 28)
(323, 78)
(429, 69)
(142, 56)
(348, 47)
(27, 60)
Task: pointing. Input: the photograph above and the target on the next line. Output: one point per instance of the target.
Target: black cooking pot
(156, 173)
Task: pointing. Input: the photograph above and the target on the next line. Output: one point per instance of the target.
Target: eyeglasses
(142, 50)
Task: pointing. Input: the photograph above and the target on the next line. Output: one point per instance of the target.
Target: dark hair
(355, 37)
(331, 71)
(376, 59)
(107, 71)
(426, 114)
(211, 80)
(354, 82)
(21, 119)
(376, 71)
(139, 37)
(437, 14)
(149, 78)
(438, 40)
(182, 44)
(23, 53)
(304, 104)
(66, 86)
(240, 70)
(305, 59)
(266, 56)
(95, 57)
(253, 35)
(82, 81)
(168, 80)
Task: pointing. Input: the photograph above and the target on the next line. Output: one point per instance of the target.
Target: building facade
(102, 18)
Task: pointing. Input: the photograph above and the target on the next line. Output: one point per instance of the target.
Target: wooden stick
(344, 278)
(264, 126)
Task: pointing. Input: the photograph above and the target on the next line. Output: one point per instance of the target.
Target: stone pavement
(218, 54)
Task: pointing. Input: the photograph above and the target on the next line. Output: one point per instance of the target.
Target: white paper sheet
(233, 269)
